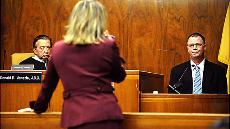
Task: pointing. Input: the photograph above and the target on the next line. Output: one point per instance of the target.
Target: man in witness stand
(198, 75)
(41, 48)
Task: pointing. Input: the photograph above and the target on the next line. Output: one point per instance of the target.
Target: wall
(151, 34)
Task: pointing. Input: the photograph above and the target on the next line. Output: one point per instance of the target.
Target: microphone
(178, 83)
(174, 89)
(182, 74)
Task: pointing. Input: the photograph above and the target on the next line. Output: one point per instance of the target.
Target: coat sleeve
(49, 84)
(118, 70)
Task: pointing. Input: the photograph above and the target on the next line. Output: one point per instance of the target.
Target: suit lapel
(187, 79)
(189, 76)
(206, 74)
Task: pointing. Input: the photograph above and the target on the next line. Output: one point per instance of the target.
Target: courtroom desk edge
(22, 70)
(130, 72)
(135, 72)
(14, 120)
(173, 114)
(140, 114)
(29, 114)
(165, 95)
(14, 71)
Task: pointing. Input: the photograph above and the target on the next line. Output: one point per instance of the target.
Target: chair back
(19, 57)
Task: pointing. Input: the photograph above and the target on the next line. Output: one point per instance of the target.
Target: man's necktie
(197, 89)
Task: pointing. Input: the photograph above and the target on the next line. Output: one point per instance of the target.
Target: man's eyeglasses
(196, 44)
(42, 48)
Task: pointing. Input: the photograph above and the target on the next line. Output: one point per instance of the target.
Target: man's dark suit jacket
(37, 64)
(214, 79)
(86, 72)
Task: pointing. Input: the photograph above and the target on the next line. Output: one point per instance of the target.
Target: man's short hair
(196, 34)
(41, 37)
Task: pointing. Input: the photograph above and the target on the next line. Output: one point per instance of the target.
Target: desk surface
(166, 95)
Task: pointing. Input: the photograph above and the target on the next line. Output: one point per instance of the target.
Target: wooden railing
(51, 120)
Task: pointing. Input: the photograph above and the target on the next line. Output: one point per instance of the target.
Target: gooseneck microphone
(178, 83)
(174, 89)
(182, 74)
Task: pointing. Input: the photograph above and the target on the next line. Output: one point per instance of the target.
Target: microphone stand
(174, 89)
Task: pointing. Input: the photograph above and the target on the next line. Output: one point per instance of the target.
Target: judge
(41, 48)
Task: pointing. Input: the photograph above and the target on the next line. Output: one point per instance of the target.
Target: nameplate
(22, 67)
(20, 77)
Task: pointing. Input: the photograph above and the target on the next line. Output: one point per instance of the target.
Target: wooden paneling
(14, 120)
(186, 103)
(151, 34)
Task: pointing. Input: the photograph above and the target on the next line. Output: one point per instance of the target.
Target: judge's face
(42, 49)
(196, 47)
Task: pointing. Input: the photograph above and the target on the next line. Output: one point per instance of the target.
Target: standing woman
(86, 61)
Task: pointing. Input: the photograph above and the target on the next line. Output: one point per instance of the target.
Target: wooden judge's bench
(134, 95)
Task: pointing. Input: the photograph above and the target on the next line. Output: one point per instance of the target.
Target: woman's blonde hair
(86, 23)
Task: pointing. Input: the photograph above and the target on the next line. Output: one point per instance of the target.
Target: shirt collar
(201, 65)
(38, 59)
